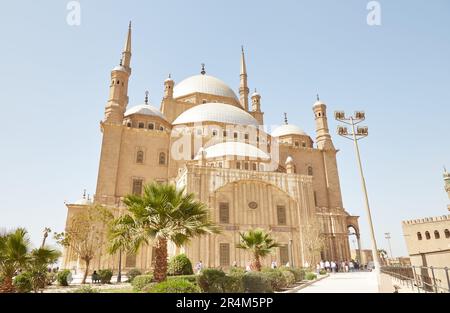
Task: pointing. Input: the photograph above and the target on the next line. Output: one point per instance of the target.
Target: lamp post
(388, 238)
(357, 134)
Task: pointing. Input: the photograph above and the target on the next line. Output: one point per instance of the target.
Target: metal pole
(291, 261)
(366, 200)
(388, 237)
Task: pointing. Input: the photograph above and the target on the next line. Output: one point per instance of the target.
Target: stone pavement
(354, 282)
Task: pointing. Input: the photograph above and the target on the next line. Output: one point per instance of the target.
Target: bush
(237, 271)
(189, 278)
(176, 285)
(211, 280)
(86, 289)
(51, 278)
(140, 281)
(276, 278)
(299, 274)
(22, 283)
(105, 276)
(234, 283)
(62, 277)
(323, 272)
(256, 282)
(289, 277)
(310, 276)
(179, 265)
(131, 274)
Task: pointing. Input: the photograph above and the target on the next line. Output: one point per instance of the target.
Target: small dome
(83, 201)
(255, 94)
(288, 129)
(216, 112)
(289, 160)
(204, 84)
(232, 148)
(145, 109)
(318, 103)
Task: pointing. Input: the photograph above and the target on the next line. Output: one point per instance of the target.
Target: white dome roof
(204, 84)
(232, 148)
(120, 68)
(216, 112)
(289, 160)
(288, 129)
(83, 201)
(145, 109)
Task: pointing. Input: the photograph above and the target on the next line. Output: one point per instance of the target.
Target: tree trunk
(7, 286)
(256, 264)
(86, 271)
(119, 274)
(160, 271)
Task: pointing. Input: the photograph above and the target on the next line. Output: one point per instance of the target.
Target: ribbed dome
(145, 109)
(216, 112)
(83, 201)
(288, 129)
(232, 148)
(204, 84)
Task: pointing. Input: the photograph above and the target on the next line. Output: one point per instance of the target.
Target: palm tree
(37, 264)
(14, 249)
(259, 243)
(163, 213)
(46, 232)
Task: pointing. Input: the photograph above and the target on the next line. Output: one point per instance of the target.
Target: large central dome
(203, 84)
(216, 112)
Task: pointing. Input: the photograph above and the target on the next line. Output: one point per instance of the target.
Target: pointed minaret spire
(146, 97)
(317, 97)
(126, 54)
(285, 118)
(84, 194)
(243, 88)
(203, 72)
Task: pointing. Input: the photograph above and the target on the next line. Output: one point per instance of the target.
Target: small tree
(313, 240)
(85, 234)
(259, 243)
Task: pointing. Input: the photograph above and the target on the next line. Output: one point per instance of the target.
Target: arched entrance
(354, 241)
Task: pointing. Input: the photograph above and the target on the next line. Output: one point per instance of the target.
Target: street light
(358, 133)
(388, 237)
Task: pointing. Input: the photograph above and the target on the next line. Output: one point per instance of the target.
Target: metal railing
(421, 278)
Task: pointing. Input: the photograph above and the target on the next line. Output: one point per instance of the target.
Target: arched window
(419, 236)
(246, 166)
(310, 171)
(427, 235)
(151, 126)
(162, 158)
(129, 124)
(140, 157)
(238, 165)
(235, 135)
(118, 82)
(297, 144)
(141, 125)
(161, 128)
(447, 233)
(214, 133)
(254, 166)
(436, 235)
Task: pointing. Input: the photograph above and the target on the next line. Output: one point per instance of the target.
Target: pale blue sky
(55, 77)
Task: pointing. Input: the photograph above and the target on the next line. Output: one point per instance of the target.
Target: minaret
(323, 137)
(168, 88)
(118, 90)
(243, 88)
(256, 108)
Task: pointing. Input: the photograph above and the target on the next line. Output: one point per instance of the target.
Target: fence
(422, 278)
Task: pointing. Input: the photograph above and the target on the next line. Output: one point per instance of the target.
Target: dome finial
(318, 98)
(285, 118)
(203, 72)
(121, 61)
(84, 194)
(146, 97)
(170, 75)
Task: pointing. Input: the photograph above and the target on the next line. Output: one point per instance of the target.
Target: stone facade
(224, 155)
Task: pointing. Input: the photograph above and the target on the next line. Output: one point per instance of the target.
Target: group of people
(335, 266)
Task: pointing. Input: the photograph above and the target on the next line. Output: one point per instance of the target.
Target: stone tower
(323, 138)
(112, 127)
(243, 88)
(447, 183)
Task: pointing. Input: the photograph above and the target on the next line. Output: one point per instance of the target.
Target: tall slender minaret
(118, 90)
(323, 137)
(243, 88)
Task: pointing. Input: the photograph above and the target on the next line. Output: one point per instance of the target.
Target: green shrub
(50, 278)
(189, 278)
(131, 274)
(323, 272)
(140, 281)
(299, 274)
(256, 282)
(310, 276)
(289, 277)
(105, 276)
(211, 280)
(22, 282)
(176, 285)
(234, 283)
(62, 277)
(276, 278)
(179, 265)
(86, 289)
(237, 270)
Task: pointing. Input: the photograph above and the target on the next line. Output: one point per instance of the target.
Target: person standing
(333, 267)
(327, 265)
(351, 266)
(199, 267)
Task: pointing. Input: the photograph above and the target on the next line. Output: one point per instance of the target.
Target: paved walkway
(355, 282)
